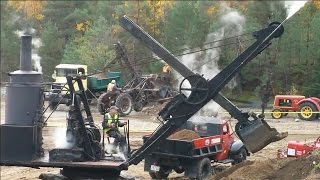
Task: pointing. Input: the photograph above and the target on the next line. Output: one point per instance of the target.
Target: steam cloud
(206, 62)
(60, 138)
(293, 7)
(36, 42)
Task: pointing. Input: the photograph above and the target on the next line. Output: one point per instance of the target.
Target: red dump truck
(201, 142)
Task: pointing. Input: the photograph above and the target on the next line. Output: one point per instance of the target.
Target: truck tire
(306, 111)
(124, 103)
(240, 156)
(204, 169)
(163, 173)
(276, 114)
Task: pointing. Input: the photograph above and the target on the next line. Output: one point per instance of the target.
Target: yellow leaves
(32, 9)
(211, 10)
(316, 3)
(83, 26)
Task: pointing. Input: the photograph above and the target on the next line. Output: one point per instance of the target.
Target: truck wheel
(240, 156)
(276, 114)
(306, 111)
(163, 173)
(124, 103)
(204, 169)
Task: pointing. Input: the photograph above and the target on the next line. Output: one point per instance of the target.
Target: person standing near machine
(111, 126)
(112, 87)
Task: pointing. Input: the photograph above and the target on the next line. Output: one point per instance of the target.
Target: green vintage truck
(94, 85)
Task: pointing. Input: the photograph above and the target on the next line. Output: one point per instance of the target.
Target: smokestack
(21, 133)
(25, 53)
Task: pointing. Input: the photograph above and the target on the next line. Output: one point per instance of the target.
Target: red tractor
(307, 108)
(213, 143)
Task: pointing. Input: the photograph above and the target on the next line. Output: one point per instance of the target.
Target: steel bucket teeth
(257, 134)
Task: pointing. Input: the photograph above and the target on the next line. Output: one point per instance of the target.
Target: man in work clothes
(112, 87)
(111, 126)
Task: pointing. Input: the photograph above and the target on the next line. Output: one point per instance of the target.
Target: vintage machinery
(138, 92)
(21, 135)
(255, 134)
(252, 129)
(299, 148)
(93, 85)
(82, 134)
(194, 156)
(24, 106)
(307, 108)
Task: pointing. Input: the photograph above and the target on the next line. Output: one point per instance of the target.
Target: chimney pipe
(25, 53)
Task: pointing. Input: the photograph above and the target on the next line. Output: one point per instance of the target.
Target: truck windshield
(63, 72)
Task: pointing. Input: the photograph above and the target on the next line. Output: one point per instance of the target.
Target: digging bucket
(257, 134)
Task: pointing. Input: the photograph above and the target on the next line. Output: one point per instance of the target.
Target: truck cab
(60, 73)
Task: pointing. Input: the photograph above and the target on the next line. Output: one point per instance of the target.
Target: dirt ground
(260, 164)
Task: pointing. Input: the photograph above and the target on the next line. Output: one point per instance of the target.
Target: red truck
(215, 144)
(307, 108)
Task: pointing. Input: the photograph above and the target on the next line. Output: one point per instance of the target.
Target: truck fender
(236, 146)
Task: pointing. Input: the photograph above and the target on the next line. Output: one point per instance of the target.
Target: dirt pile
(275, 169)
(184, 134)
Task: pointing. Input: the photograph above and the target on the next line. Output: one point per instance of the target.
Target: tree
(10, 43)
(32, 9)
(51, 50)
(92, 48)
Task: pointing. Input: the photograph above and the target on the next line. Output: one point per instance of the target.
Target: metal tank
(21, 135)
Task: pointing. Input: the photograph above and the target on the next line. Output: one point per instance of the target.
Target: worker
(112, 88)
(111, 126)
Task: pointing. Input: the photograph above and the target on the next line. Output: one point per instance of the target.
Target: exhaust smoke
(60, 138)
(206, 62)
(293, 7)
(36, 43)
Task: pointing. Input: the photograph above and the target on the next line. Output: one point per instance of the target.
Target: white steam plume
(206, 62)
(60, 138)
(36, 42)
(293, 7)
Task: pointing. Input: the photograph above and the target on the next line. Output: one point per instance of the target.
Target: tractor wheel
(204, 169)
(124, 103)
(276, 114)
(163, 173)
(306, 111)
(240, 156)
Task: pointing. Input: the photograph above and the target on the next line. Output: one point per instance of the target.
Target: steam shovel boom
(255, 134)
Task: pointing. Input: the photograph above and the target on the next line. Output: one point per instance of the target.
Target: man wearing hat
(112, 87)
(111, 126)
